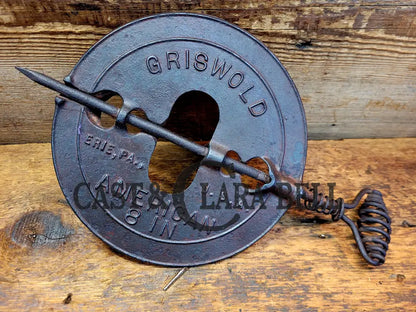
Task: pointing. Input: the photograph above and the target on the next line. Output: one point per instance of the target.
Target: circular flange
(150, 63)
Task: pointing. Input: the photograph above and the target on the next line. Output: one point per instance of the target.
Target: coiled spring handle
(373, 229)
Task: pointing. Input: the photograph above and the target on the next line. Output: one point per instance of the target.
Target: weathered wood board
(352, 61)
(50, 261)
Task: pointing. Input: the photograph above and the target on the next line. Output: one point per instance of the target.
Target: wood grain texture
(50, 261)
(352, 61)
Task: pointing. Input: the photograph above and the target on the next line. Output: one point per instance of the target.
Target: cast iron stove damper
(104, 172)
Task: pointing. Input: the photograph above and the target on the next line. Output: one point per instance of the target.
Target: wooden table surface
(50, 261)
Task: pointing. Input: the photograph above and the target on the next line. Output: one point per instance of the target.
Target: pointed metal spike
(24, 71)
(92, 102)
(38, 77)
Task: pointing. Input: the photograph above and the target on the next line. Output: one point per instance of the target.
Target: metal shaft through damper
(150, 63)
(147, 126)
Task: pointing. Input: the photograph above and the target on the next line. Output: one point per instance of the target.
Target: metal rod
(147, 126)
(175, 278)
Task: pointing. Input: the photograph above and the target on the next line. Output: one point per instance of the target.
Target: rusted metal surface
(373, 229)
(150, 63)
(104, 172)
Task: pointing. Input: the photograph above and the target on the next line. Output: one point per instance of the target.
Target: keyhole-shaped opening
(195, 116)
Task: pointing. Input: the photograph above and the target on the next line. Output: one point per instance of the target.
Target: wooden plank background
(49, 261)
(354, 62)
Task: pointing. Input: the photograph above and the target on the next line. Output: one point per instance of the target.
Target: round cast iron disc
(150, 63)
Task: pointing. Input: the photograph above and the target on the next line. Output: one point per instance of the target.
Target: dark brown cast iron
(180, 231)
